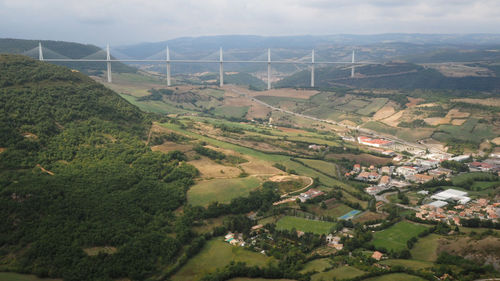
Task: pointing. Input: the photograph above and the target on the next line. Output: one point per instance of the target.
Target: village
(448, 206)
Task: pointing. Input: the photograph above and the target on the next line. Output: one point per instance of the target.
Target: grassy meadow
(217, 254)
(318, 227)
(395, 237)
(221, 190)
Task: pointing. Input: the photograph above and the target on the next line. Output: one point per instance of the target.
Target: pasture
(220, 190)
(318, 227)
(334, 211)
(217, 254)
(396, 236)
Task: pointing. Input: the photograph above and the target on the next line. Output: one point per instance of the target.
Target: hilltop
(61, 49)
(76, 178)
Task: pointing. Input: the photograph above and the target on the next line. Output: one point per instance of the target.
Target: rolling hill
(81, 194)
(390, 76)
(61, 49)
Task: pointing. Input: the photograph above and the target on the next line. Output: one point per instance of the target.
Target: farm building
(374, 142)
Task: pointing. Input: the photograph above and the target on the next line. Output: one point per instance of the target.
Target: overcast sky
(133, 21)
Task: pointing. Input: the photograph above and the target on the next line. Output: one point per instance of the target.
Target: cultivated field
(395, 237)
(221, 190)
(318, 227)
(217, 254)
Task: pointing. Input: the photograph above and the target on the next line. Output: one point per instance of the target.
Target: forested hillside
(75, 174)
(390, 76)
(56, 49)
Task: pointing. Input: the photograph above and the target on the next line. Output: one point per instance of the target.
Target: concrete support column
(40, 52)
(269, 69)
(352, 66)
(168, 67)
(108, 63)
(312, 69)
(221, 69)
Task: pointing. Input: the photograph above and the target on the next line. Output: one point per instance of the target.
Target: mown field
(395, 276)
(396, 236)
(318, 227)
(412, 264)
(426, 248)
(334, 211)
(327, 168)
(217, 254)
(10, 276)
(317, 265)
(221, 190)
(339, 273)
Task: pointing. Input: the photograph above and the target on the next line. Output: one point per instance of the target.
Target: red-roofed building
(373, 142)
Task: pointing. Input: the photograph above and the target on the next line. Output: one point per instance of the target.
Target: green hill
(53, 49)
(75, 174)
(390, 76)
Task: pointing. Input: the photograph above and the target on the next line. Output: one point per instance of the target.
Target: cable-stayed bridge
(104, 56)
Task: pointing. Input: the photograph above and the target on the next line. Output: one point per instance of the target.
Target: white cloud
(129, 21)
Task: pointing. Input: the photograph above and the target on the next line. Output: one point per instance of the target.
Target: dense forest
(75, 173)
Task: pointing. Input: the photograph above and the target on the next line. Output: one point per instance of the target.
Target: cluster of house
(463, 207)
(235, 239)
(333, 241)
(310, 194)
(488, 165)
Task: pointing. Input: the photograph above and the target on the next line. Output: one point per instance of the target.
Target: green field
(395, 277)
(318, 227)
(471, 131)
(221, 190)
(272, 158)
(395, 237)
(317, 265)
(373, 107)
(335, 211)
(327, 168)
(231, 111)
(217, 254)
(426, 248)
(412, 264)
(380, 127)
(343, 272)
(10, 276)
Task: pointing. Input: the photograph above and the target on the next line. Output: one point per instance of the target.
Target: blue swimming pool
(350, 215)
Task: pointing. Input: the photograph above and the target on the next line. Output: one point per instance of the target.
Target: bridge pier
(40, 52)
(312, 69)
(352, 66)
(269, 69)
(221, 69)
(108, 63)
(168, 67)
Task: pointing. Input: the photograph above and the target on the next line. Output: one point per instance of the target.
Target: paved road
(363, 130)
